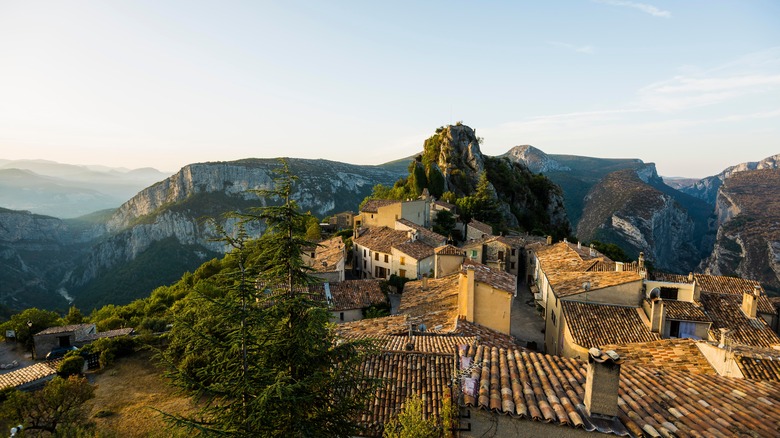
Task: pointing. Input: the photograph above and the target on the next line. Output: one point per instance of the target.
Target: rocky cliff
(634, 210)
(707, 188)
(748, 217)
(536, 160)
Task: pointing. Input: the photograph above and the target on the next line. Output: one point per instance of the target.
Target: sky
(693, 86)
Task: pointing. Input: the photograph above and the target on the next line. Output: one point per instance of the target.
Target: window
(403, 261)
(552, 317)
(364, 264)
(501, 255)
(376, 256)
(511, 265)
(473, 253)
(402, 273)
(341, 316)
(387, 258)
(669, 293)
(682, 329)
(364, 253)
(513, 252)
(674, 329)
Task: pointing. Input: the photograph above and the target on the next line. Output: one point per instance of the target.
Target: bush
(71, 366)
(111, 348)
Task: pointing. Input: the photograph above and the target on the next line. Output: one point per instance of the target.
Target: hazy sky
(693, 86)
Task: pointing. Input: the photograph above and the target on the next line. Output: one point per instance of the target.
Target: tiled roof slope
(593, 325)
(63, 329)
(481, 226)
(759, 368)
(561, 258)
(373, 327)
(498, 279)
(720, 284)
(28, 374)
(652, 402)
(566, 283)
(435, 305)
(428, 236)
(421, 342)
(372, 205)
(672, 354)
(449, 250)
(352, 294)
(684, 311)
(725, 311)
(380, 239)
(328, 254)
(416, 250)
(427, 375)
(106, 334)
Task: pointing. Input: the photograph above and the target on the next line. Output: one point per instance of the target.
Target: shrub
(71, 366)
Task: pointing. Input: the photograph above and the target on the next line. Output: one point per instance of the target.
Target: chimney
(592, 250)
(618, 266)
(501, 265)
(657, 315)
(565, 240)
(425, 282)
(641, 260)
(749, 303)
(603, 381)
(466, 294)
(579, 245)
(723, 333)
(690, 277)
(549, 240)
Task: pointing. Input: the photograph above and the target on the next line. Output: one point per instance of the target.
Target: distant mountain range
(67, 191)
(158, 232)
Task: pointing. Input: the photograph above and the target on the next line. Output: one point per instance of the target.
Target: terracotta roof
(380, 239)
(566, 283)
(406, 373)
(684, 311)
(430, 237)
(498, 279)
(373, 327)
(722, 285)
(328, 254)
(481, 226)
(449, 250)
(416, 250)
(593, 325)
(485, 335)
(436, 305)
(372, 205)
(565, 257)
(651, 402)
(28, 374)
(352, 294)
(106, 334)
(672, 354)
(759, 365)
(421, 342)
(446, 205)
(725, 311)
(64, 329)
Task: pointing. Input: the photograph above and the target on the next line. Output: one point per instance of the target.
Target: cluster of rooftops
(627, 352)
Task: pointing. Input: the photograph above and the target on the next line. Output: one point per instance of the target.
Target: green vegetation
(29, 322)
(444, 223)
(72, 365)
(411, 422)
(264, 361)
(57, 409)
(611, 250)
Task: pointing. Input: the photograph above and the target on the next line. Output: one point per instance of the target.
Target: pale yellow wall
(447, 264)
(570, 348)
(492, 307)
(721, 359)
(416, 211)
(465, 299)
(628, 294)
(552, 330)
(410, 265)
(686, 291)
(349, 316)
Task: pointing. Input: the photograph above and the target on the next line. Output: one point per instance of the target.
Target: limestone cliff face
(748, 222)
(459, 158)
(536, 160)
(627, 208)
(707, 188)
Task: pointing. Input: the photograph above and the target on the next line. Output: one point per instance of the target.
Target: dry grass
(127, 395)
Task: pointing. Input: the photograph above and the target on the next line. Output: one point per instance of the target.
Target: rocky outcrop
(536, 160)
(748, 220)
(630, 209)
(707, 188)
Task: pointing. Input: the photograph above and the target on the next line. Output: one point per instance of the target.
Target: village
(531, 337)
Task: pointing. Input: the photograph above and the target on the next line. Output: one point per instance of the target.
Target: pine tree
(257, 349)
